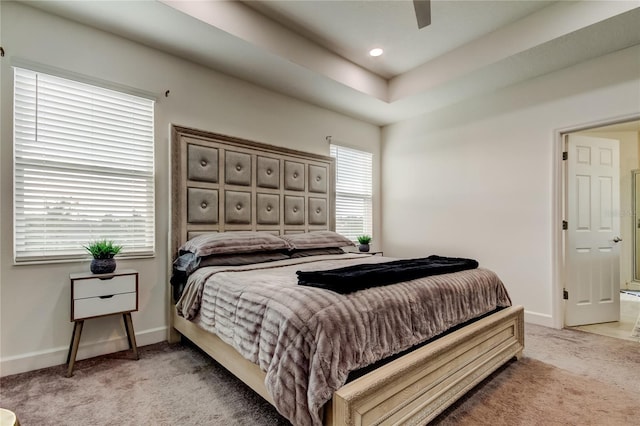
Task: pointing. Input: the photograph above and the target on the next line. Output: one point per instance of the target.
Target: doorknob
(617, 239)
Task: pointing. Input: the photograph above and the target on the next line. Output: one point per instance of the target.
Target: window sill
(83, 259)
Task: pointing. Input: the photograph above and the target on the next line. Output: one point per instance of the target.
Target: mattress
(307, 340)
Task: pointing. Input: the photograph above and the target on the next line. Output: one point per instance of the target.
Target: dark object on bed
(183, 266)
(359, 277)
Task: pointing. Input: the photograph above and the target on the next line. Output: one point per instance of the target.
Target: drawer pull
(106, 297)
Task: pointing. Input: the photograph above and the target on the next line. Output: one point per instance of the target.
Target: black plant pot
(363, 247)
(103, 266)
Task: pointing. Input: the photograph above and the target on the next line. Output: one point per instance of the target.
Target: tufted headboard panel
(221, 183)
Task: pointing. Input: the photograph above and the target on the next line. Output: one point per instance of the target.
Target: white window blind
(83, 168)
(354, 177)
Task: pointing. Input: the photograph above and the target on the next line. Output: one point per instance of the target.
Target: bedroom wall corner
(538, 318)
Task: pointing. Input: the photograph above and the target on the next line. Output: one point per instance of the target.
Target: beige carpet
(567, 377)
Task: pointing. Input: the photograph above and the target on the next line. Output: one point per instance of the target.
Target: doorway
(628, 135)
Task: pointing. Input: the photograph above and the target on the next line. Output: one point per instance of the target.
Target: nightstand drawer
(94, 287)
(96, 306)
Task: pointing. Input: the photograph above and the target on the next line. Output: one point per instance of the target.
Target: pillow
(233, 242)
(241, 258)
(316, 252)
(316, 239)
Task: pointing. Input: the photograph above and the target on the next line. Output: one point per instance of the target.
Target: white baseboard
(49, 358)
(56, 356)
(538, 318)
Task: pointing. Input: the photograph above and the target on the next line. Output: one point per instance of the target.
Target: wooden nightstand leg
(73, 335)
(73, 348)
(128, 324)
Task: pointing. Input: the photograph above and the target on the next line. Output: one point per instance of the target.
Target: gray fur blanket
(307, 340)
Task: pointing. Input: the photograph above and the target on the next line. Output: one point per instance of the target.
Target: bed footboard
(416, 388)
(411, 390)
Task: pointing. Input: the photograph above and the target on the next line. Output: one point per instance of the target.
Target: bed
(222, 184)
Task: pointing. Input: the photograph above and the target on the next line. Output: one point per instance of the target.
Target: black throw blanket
(358, 277)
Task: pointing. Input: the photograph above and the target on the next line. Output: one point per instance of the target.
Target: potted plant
(364, 241)
(103, 252)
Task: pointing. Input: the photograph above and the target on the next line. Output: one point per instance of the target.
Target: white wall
(477, 179)
(34, 319)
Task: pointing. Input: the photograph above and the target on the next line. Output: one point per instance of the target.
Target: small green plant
(364, 239)
(103, 249)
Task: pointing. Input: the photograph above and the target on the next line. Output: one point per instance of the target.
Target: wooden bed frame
(412, 389)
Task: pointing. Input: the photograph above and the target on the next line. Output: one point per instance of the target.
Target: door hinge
(565, 225)
(565, 155)
(565, 294)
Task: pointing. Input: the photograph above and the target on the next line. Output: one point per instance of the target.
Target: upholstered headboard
(221, 183)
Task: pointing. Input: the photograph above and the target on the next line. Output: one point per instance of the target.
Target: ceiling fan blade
(423, 12)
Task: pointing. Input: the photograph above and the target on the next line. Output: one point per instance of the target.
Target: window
(83, 168)
(354, 174)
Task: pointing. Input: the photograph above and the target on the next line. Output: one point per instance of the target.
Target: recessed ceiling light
(376, 52)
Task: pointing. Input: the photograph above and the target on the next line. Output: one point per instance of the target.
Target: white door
(592, 242)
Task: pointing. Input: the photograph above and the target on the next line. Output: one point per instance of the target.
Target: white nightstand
(94, 296)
